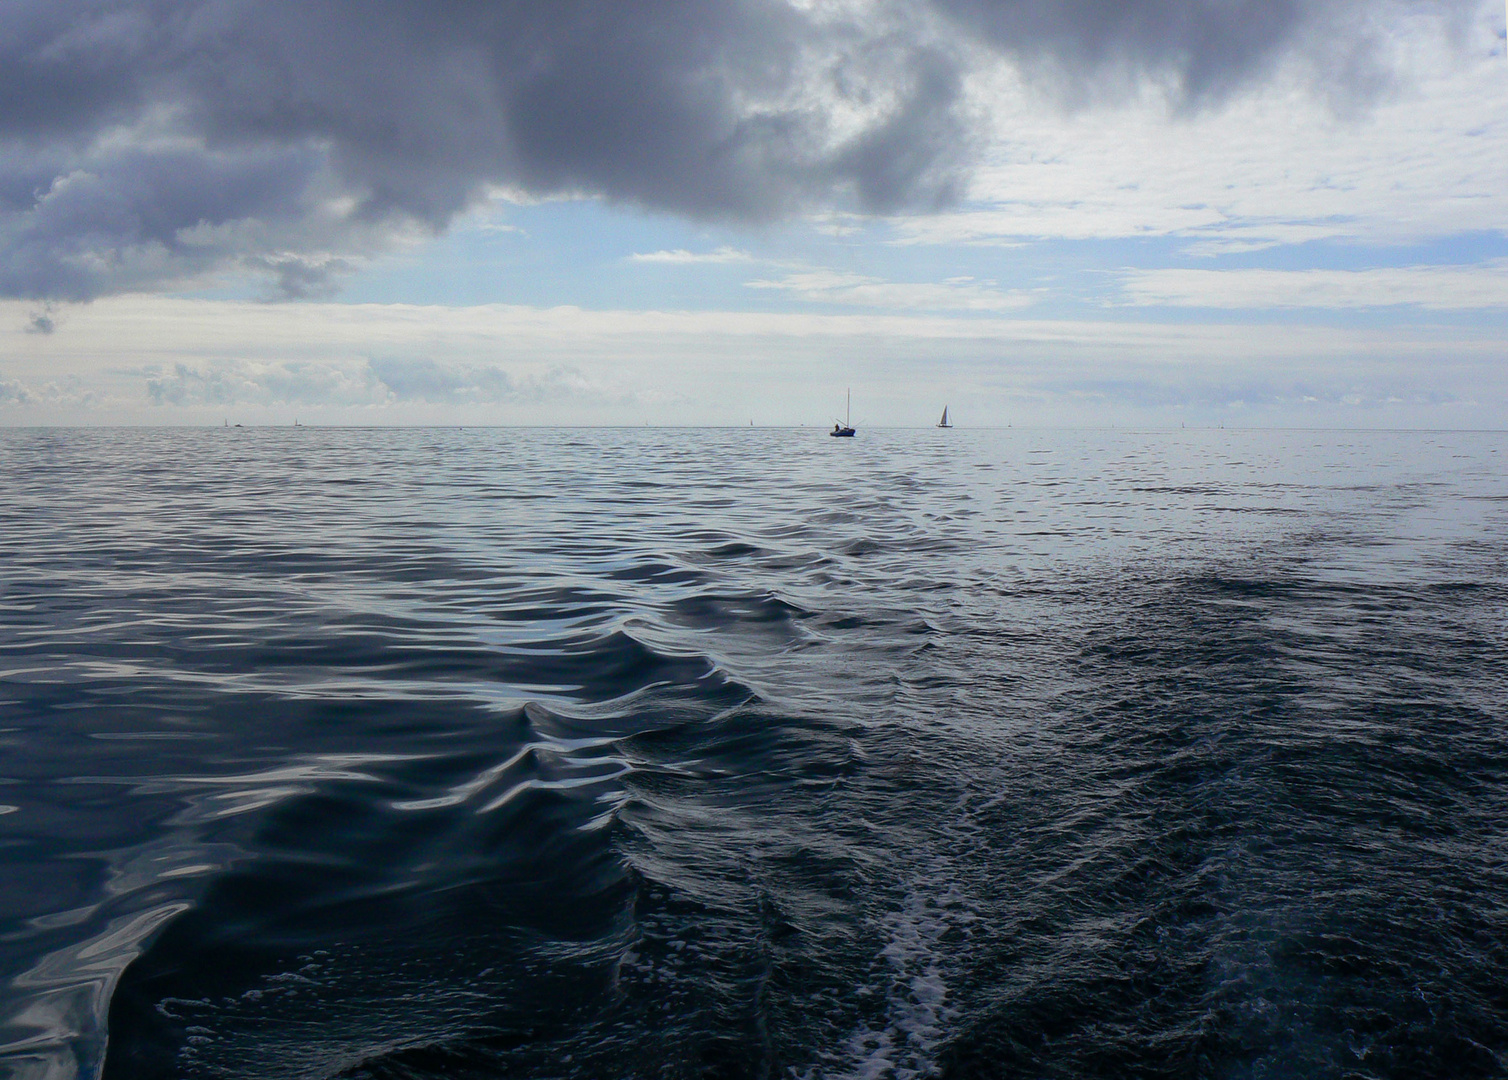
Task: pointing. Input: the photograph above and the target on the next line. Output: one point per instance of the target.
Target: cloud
(682, 257)
(954, 294)
(261, 383)
(1272, 167)
(300, 277)
(42, 320)
(436, 383)
(71, 390)
(149, 143)
(1198, 50)
(15, 392)
(377, 382)
(1435, 288)
(159, 359)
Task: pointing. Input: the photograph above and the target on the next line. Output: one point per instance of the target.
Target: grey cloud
(70, 390)
(278, 383)
(42, 321)
(357, 382)
(141, 217)
(145, 143)
(300, 277)
(1205, 46)
(424, 380)
(1198, 50)
(14, 392)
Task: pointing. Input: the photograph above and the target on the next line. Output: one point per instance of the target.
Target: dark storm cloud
(145, 143)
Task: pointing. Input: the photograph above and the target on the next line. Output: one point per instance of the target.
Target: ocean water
(409, 753)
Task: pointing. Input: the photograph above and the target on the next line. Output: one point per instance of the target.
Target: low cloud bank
(358, 383)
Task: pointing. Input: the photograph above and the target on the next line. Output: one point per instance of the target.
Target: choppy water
(431, 753)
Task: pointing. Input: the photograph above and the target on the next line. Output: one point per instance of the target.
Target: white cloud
(682, 257)
(496, 228)
(1272, 167)
(371, 363)
(953, 294)
(1436, 288)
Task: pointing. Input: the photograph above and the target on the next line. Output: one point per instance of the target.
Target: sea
(407, 754)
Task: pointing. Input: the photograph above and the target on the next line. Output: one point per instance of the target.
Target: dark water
(426, 753)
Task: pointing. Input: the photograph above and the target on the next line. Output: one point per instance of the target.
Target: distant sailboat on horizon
(944, 421)
(845, 429)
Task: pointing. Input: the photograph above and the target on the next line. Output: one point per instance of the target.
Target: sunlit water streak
(440, 753)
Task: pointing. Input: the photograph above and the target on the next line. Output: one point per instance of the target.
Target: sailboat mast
(848, 409)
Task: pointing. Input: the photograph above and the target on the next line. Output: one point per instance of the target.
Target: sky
(1036, 212)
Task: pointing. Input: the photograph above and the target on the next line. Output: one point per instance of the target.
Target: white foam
(916, 994)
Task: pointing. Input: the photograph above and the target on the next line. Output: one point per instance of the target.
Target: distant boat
(845, 429)
(944, 421)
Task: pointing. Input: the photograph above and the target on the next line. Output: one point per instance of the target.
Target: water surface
(752, 753)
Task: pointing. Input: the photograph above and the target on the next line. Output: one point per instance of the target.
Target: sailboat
(944, 421)
(845, 429)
